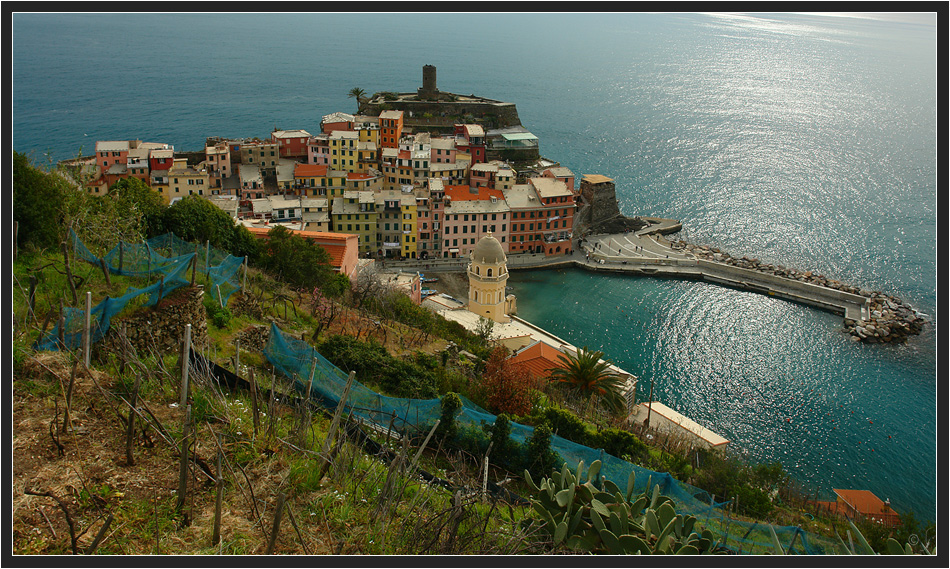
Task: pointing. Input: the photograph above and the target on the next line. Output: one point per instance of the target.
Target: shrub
(448, 428)
(537, 453)
(620, 444)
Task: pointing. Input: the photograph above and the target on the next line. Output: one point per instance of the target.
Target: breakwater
(884, 319)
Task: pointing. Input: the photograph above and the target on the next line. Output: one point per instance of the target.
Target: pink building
(470, 214)
(318, 150)
(443, 151)
(111, 152)
(218, 162)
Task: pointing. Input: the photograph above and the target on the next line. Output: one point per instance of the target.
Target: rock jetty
(889, 321)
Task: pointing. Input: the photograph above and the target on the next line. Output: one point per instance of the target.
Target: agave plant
(596, 516)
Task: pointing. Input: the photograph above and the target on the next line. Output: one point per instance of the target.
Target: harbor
(869, 316)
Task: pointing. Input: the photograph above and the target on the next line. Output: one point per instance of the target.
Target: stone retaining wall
(160, 329)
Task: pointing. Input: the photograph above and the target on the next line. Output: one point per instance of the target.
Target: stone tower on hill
(431, 110)
(487, 276)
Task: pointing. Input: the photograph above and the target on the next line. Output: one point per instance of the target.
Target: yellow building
(355, 212)
(318, 180)
(397, 221)
(343, 150)
(183, 180)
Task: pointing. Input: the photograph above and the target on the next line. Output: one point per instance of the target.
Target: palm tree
(587, 375)
(357, 94)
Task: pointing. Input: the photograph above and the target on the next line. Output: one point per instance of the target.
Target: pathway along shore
(869, 316)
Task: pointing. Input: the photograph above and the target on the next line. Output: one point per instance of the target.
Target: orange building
(390, 129)
(861, 504)
(342, 247)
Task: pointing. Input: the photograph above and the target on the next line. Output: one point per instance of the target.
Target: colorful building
(495, 174)
(355, 212)
(390, 128)
(184, 180)
(336, 121)
(261, 153)
(343, 150)
(291, 143)
(252, 182)
(396, 225)
(470, 138)
(218, 162)
(316, 180)
(318, 150)
(470, 214)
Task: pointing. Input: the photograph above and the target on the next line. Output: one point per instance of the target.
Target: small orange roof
(310, 170)
(464, 193)
(538, 358)
(358, 176)
(863, 501)
(403, 155)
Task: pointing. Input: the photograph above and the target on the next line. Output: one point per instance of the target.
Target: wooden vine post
(86, 337)
(130, 435)
(185, 361)
(69, 273)
(219, 486)
(278, 514)
(324, 454)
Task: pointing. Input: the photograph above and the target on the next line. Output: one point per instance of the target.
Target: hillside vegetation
(106, 460)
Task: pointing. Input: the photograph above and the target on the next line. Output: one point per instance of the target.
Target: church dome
(488, 250)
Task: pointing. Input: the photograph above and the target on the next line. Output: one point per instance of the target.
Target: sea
(807, 140)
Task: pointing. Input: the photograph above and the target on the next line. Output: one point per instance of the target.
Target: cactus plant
(597, 517)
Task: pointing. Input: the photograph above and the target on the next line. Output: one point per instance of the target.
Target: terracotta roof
(538, 358)
(464, 193)
(358, 176)
(863, 501)
(334, 243)
(310, 170)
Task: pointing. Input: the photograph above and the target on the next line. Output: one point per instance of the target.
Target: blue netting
(299, 361)
(166, 258)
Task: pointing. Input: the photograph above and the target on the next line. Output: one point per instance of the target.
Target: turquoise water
(808, 141)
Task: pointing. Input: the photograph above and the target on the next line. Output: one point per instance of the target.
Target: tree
(37, 197)
(506, 385)
(357, 93)
(587, 375)
(299, 262)
(137, 203)
(196, 219)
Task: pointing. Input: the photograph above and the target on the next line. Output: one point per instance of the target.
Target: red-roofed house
(291, 143)
(342, 247)
(538, 358)
(861, 504)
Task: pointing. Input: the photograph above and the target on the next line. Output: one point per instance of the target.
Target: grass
(340, 510)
